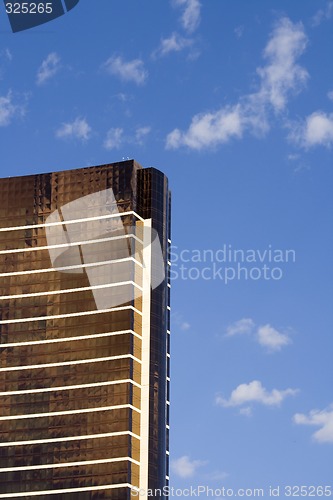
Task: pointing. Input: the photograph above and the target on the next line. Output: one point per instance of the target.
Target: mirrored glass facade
(84, 333)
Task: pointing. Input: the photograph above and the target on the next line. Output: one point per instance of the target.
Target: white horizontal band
(70, 244)
(69, 412)
(66, 268)
(68, 363)
(70, 339)
(75, 221)
(71, 387)
(71, 290)
(71, 464)
(70, 315)
(70, 438)
(70, 490)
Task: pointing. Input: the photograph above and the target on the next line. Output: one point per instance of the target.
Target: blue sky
(233, 100)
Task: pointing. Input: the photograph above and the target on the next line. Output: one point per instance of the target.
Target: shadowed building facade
(84, 333)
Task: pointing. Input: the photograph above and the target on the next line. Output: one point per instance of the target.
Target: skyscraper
(84, 333)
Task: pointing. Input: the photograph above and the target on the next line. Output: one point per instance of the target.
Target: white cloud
(239, 30)
(240, 327)
(9, 110)
(185, 326)
(129, 71)
(271, 338)
(191, 16)
(49, 67)
(122, 97)
(175, 43)
(254, 392)
(316, 130)
(246, 410)
(114, 138)
(264, 335)
(209, 130)
(323, 14)
(293, 157)
(141, 133)
(318, 418)
(185, 467)
(330, 95)
(78, 129)
(280, 77)
(6, 53)
(282, 74)
(217, 475)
